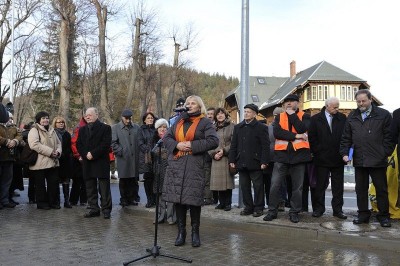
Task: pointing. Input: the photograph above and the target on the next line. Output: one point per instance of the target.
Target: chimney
(292, 69)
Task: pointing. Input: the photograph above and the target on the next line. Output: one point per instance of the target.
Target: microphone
(159, 143)
(181, 109)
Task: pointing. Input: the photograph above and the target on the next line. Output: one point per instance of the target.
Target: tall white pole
(244, 69)
(12, 54)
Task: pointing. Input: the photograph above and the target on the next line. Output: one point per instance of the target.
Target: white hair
(331, 100)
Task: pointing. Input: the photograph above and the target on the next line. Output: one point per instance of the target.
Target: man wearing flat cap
(125, 145)
(249, 153)
(292, 152)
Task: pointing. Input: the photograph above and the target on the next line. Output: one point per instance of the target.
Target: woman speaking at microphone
(187, 142)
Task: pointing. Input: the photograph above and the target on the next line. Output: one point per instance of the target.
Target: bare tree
(25, 80)
(24, 9)
(66, 10)
(182, 43)
(145, 53)
(102, 12)
(135, 63)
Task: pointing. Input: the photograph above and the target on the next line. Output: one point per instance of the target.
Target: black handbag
(29, 156)
(233, 171)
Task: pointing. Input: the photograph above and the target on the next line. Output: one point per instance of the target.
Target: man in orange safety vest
(292, 152)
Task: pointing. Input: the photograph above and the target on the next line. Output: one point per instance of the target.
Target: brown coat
(47, 144)
(8, 133)
(221, 179)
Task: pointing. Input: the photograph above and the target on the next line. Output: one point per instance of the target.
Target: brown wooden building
(313, 86)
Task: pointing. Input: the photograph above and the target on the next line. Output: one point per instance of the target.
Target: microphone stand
(155, 250)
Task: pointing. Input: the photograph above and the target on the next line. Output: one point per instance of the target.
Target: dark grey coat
(371, 138)
(145, 146)
(125, 145)
(185, 177)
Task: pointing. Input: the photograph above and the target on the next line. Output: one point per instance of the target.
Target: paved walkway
(63, 237)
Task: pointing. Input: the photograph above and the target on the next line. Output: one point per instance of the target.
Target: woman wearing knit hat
(43, 139)
(160, 163)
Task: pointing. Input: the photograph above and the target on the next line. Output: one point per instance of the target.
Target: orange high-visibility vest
(281, 145)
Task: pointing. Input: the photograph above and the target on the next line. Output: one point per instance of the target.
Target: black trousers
(225, 197)
(306, 189)
(337, 179)
(94, 186)
(267, 176)
(78, 189)
(379, 179)
(148, 187)
(127, 189)
(245, 180)
(47, 186)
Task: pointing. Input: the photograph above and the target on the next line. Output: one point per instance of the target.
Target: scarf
(219, 126)
(180, 135)
(60, 132)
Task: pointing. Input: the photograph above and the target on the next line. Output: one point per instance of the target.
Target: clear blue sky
(358, 36)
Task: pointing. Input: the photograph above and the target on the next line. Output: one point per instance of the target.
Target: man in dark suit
(249, 153)
(94, 141)
(368, 130)
(325, 132)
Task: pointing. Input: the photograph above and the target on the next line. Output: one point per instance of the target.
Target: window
(255, 98)
(261, 80)
(314, 92)
(320, 93)
(355, 89)
(308, 94)
(350, 95)
(326, 92)
(343, 93)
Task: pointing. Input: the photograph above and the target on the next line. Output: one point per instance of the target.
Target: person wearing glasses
(367, 129)
(60, 127)
(43, 139)
(125, 145)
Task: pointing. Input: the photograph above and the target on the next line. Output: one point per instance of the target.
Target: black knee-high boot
(67, 204)
(181, 221)
(195, 221)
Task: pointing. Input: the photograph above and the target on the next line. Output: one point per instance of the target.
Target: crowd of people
(191, 160)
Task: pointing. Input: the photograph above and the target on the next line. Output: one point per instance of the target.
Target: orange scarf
(189, 136)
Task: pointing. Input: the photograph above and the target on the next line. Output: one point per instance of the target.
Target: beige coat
(221, 179)
(48, 143)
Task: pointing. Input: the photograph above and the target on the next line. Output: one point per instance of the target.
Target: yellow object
(392, 174)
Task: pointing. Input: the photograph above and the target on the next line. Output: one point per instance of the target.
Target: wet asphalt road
(63, 237)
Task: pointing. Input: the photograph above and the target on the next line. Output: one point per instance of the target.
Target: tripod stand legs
(155, 250)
